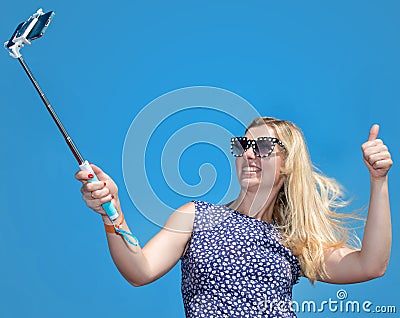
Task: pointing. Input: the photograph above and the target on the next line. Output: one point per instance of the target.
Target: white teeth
(250, 169)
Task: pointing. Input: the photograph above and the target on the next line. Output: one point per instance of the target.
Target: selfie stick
(21, 36)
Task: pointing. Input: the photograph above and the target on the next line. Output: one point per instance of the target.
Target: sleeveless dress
(235, 266)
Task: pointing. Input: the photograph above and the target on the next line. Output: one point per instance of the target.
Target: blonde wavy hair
(307, 204)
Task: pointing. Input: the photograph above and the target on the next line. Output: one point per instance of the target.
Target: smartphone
(36, 31)
(41, 26)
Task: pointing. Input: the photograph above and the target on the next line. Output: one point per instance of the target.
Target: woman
(242, 259)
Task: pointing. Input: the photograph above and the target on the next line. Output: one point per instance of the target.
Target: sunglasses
(262, 147)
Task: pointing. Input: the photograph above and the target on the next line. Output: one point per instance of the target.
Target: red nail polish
(105, 184)
(90, 176)
(112, 197)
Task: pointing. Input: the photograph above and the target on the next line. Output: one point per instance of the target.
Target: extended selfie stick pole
(53, 114)
(21, 36)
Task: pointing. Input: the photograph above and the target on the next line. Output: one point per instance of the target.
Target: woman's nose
(249, 153)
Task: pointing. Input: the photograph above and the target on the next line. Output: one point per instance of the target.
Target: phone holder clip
(19, 38)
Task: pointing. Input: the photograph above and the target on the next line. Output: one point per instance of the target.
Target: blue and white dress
(235, 266)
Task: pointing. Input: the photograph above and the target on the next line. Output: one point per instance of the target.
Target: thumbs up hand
(376, 155)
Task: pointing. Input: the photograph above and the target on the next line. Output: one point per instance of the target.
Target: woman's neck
(257, 206)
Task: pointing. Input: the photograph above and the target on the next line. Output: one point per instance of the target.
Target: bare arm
(142, 266)
(345, 265)
(138, 265)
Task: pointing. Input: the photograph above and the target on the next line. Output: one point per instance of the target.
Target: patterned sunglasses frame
(255, 145)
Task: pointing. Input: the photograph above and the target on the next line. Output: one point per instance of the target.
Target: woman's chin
(254, 183)
(249, 182)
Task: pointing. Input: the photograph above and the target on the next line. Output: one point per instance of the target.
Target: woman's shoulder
(209, 215)
(181, 220)
(196, 206)
(201, 205)
(195, 214)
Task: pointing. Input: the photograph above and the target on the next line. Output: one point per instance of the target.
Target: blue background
(331, 67)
